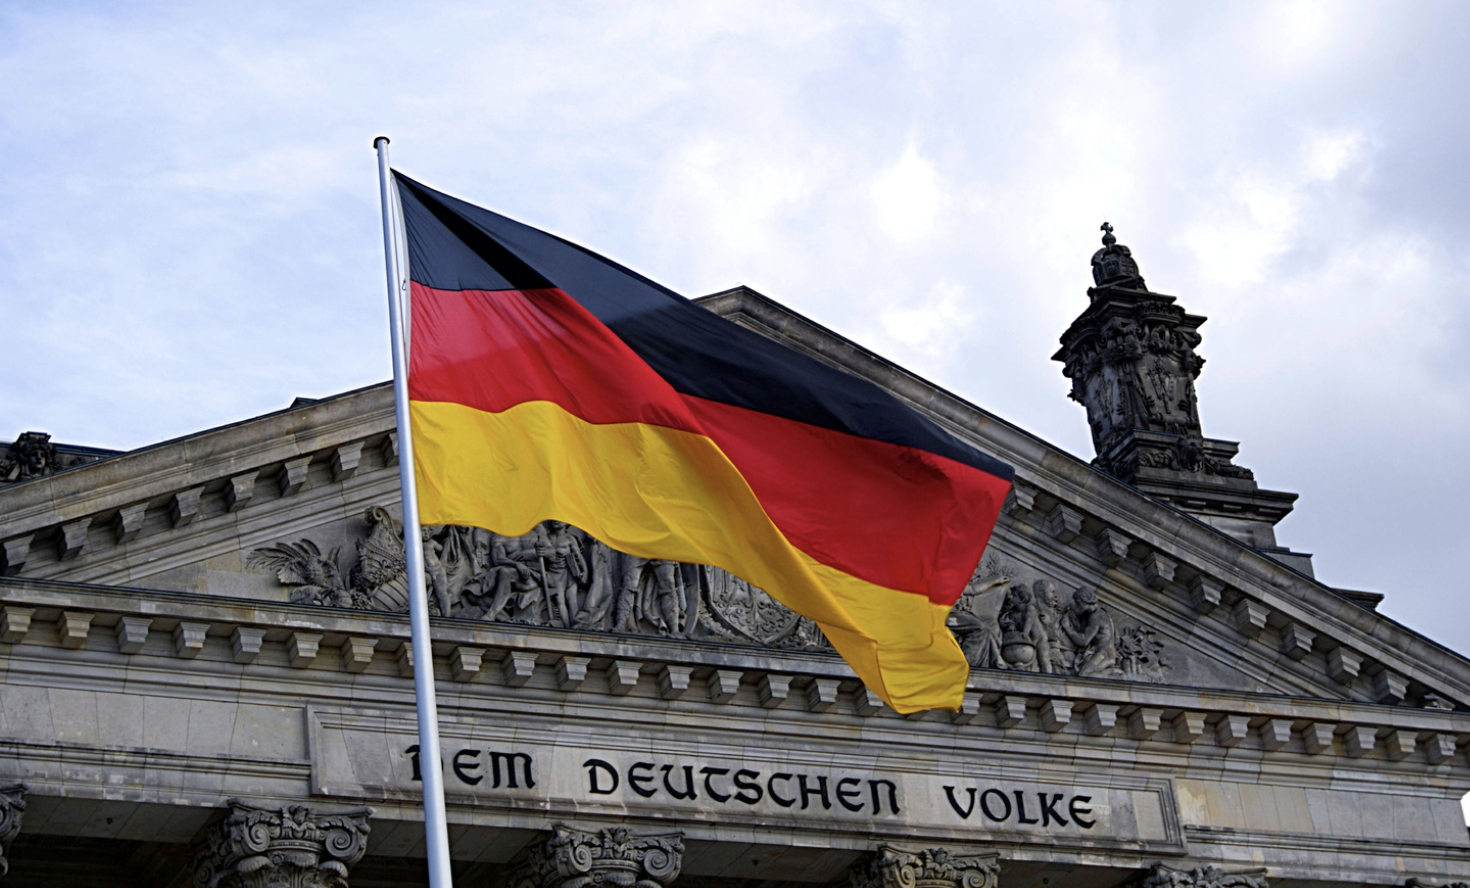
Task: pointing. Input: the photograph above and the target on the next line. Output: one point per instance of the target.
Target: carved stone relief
(558, 576)
(12, 811)
(1161, 876)
(891, 867)
(615, 857)
(292, 846)
(33, 455)
(1007, 620)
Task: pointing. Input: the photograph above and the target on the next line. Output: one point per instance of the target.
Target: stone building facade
(205, 674)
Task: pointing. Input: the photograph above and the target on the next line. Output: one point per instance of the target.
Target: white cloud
(908, 196)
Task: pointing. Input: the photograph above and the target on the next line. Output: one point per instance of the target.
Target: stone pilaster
(290, 847)
(615, 857)
(12, 810)
(1160, 876)
(891, 867)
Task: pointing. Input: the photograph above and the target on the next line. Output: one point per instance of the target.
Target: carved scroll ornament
(12, 811)
(291, 847)
(891, 867)
(615, 857)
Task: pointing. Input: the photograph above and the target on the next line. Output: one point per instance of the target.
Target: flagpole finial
(377, 139)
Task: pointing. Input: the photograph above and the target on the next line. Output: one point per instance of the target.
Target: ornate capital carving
(12, 809)
(891, 867)
(1160, 876)
(275, 848)
(615, 857)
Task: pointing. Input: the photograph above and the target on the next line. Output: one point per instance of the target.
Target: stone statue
(1090, 630)
(651, 591)
(1024, 642)
(31, 456)
(979, 638)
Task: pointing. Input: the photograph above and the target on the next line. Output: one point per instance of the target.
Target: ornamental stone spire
(1132, 359)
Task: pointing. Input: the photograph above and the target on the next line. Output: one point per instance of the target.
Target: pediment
(301, 505)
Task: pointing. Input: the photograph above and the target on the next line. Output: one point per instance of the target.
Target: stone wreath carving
(556, 575)
(1030, 629)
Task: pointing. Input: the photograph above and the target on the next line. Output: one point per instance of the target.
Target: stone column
(291, 846)
(12, 809)
(891, 867)
(1160, 876)
(614, 857)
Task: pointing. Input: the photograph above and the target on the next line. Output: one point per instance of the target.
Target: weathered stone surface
(12, 813)
(1161, 876)
(271, 848)
(614, 858)
(890, 867)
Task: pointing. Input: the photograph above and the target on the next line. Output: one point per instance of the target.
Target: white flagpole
(436, 829)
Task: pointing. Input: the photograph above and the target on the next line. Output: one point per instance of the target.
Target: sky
(190, 231)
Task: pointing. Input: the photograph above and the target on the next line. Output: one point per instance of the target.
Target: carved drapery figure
(1024, 643)
(891, 867)
(267, 848)
(1161, 876)
(12, 811)
(1090, 630)
(615, 857)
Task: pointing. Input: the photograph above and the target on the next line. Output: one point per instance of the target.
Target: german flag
(548, 382)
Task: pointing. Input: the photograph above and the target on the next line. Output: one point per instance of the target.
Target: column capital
(12, 810)
(891, 867)
(264, 847)
(1161, 876)
(613, 857)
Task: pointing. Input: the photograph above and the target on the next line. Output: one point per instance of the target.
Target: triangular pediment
(1104, 583)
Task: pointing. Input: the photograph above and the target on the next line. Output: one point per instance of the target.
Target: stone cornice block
(189, 639)
(969, 711)
(1359, 740)
(1100, 718)
(183, 509)
(1158, 570)
(518, 667)
(129, 522)
(1232, 729)
(465, 663)
(1205, 594)
(1275, 733)
(1188, 727)
(571, 672)
(622, 676)
(1400, 744)
(293, 476)
(74, 538)
(357, 653)
(1144, 722)
(1054, 715)
(17, 550)
(345, 460)
(1064, 522)
(1249, 617)
(132, 634)
(673, 681)
(388, 450)
(1343, 665)
(724, 684)
(302, 648)
(15, 622)
(73, 627)
(1439, 748)
(239, 490)
(821, 694)
(1296, 640)
(866, 703)
(405, 660)
(1389, 687)
(245, 643)
(1010, 710)
(1112, 547)
(1317, 737)
(773, 689)
(1020, 501)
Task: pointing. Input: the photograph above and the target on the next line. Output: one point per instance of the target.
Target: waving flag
(547, 382)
